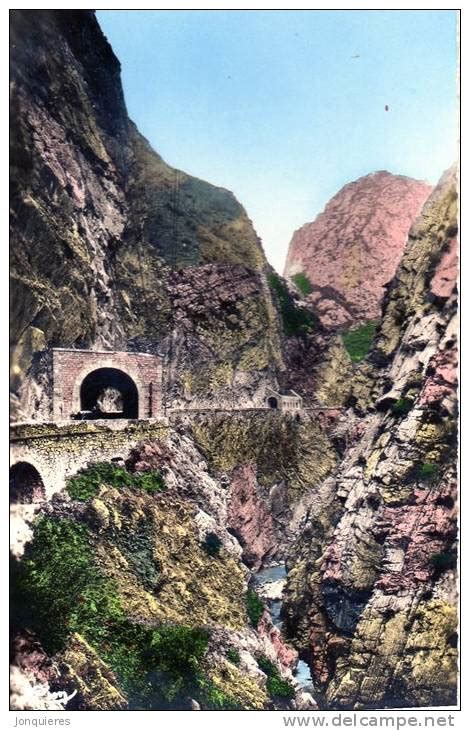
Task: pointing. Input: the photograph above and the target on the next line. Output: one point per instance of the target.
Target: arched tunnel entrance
(108, 393)
(26, 485)
(272, 402)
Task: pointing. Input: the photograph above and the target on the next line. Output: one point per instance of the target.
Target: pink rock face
(441, 378)
(352, 249)
(149, 456)
(286, 654)
(420, 531)
(249, 517)
(444, 279)
(31, 658)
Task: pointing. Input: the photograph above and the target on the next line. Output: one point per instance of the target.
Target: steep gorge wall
(272, 465)
(107, 240)
(371, 596)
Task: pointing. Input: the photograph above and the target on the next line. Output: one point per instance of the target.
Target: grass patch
(358, 341)
(427, 472)
(296, 321)
(57, 589)
(302, 283)
(277, 687)
(217, 699)
(86, 483)
(254, 607)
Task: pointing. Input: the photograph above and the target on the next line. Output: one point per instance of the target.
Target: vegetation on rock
(445, 560)
(277, 687)
(254, 607)
(233, 656)
(59, 591)
(358, 341)
(402, 406)
(302, 283)
(212, 543)
(427, 471)
(296, 321)
(86, 483)
(57, 588)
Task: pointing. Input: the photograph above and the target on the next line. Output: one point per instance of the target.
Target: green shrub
(443, 561)
(57, 587)
(266, 665)
(157, 667)
(177, 649)
(254, 607)
(427, 471)
(86, 483)
(402, 406)
(149, 481)
(233, 656)
(296, 321)
(277, 687)
(212, 544)
(358, 341)
(302, 283)
(423, 472)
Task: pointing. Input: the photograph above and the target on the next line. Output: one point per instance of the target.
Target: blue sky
(272, 104)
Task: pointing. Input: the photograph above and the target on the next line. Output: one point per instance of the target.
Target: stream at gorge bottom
(269, 584)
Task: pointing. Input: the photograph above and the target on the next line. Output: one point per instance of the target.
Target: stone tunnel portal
(26, 485)
(272, 402)
(105, 384)
(108, 393)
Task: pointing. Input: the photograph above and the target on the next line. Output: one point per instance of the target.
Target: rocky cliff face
(371, 598)
(108, 241)
(131, 594)
(352, 249)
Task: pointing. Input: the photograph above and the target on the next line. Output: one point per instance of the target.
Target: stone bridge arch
(26, 483)
(59, 450)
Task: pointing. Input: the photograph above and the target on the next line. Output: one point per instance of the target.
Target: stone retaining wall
(58, 451)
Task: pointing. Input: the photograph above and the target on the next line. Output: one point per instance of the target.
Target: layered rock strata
(371, 596)
(352, 249)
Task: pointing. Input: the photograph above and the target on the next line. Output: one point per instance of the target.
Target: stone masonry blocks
(70, 367)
